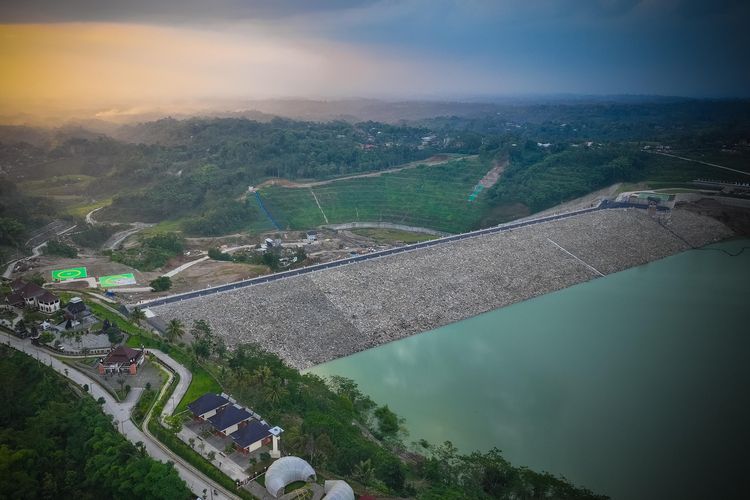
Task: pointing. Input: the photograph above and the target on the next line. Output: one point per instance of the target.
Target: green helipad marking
(69, 274)
(117, 280)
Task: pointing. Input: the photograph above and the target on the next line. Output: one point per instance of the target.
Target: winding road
(35, 252)
(120, 411)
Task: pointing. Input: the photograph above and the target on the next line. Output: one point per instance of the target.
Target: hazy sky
(84, 53)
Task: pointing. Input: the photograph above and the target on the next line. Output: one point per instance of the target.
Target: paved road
(90, 216)
(35, 252)
(121, 413)
(181, 268)
(702, 162)
(429, 162)
(370, 256)
(182, 385)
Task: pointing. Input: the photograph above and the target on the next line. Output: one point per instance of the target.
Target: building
(338, 490)
(248, 431)
(33, 296)
(285, 471)
(228, 419)
(76, 309)
(311, 236)
(121, 359)
(251, 435)
(207, 405)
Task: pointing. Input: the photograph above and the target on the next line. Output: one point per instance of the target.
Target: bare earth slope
(329, 314)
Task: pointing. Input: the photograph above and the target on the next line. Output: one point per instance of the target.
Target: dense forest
(198, 170)
(55, 442)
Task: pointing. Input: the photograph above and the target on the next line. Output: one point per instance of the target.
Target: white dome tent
(338, 490)
(287, 470)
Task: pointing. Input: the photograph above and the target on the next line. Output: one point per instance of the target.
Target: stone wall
(325, 315)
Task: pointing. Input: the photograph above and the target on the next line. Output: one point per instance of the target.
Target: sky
(118, 56)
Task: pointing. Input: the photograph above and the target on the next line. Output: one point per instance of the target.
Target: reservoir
(634, 385)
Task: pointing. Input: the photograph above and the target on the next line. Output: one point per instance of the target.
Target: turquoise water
(635, 385)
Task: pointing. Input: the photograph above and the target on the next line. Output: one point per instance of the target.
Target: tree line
(55, 442)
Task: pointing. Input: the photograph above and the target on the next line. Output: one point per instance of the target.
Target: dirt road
(430, 162)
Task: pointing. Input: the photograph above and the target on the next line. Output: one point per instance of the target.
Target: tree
(191, 442)
(274, 392)
(137, 315)
(211, 455)
(175, 330)
(141, 448)
(174, 423)
(37, 278)
(217, 254)
(364, 472)
(387, 421)
(161, 284)
(318, 447)
(262, 374)
(204, 342)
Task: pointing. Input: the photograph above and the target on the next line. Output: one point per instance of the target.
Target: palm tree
(137, 315)
(175, 330)
(364, 472)
(262, 374)
(274, 392)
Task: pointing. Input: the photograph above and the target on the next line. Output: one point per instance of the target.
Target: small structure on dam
(320, 316)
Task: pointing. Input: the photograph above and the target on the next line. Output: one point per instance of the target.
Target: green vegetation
(60, 249)
(382, 235)
(161, 284)
(332, 424)
(152, 252)
(193, 175)
(19, 215)
(434, 197)
(217, 254)
(202, 381)
(56, 443)
(142, 406)
(95, 236)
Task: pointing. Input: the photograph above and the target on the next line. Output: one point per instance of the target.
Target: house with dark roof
(31, 295)
(228, 419)
(207, 405)
(121, 359)
(76, 309)
(251, 435)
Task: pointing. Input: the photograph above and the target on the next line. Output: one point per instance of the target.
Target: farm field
(436, 197)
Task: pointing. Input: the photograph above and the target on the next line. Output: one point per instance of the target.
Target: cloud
(117, 66)
(165, 11)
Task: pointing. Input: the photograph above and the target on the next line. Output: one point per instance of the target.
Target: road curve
(196, 481)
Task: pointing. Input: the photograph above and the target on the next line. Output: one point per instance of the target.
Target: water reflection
(634, 385)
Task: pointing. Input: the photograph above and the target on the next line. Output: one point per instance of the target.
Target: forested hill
(57, 443)
(197, 171)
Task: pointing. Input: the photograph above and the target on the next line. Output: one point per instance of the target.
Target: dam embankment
(316, 317)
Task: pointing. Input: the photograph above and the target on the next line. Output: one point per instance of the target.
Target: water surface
(635, 385)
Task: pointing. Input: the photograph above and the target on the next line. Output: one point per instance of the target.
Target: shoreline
(312, 319)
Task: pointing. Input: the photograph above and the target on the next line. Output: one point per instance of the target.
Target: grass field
(58, 185)
(665, 170)
(80, 210)
(434, 197)
(382, 235)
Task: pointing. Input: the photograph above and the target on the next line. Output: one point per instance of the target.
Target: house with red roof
(121, 359)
